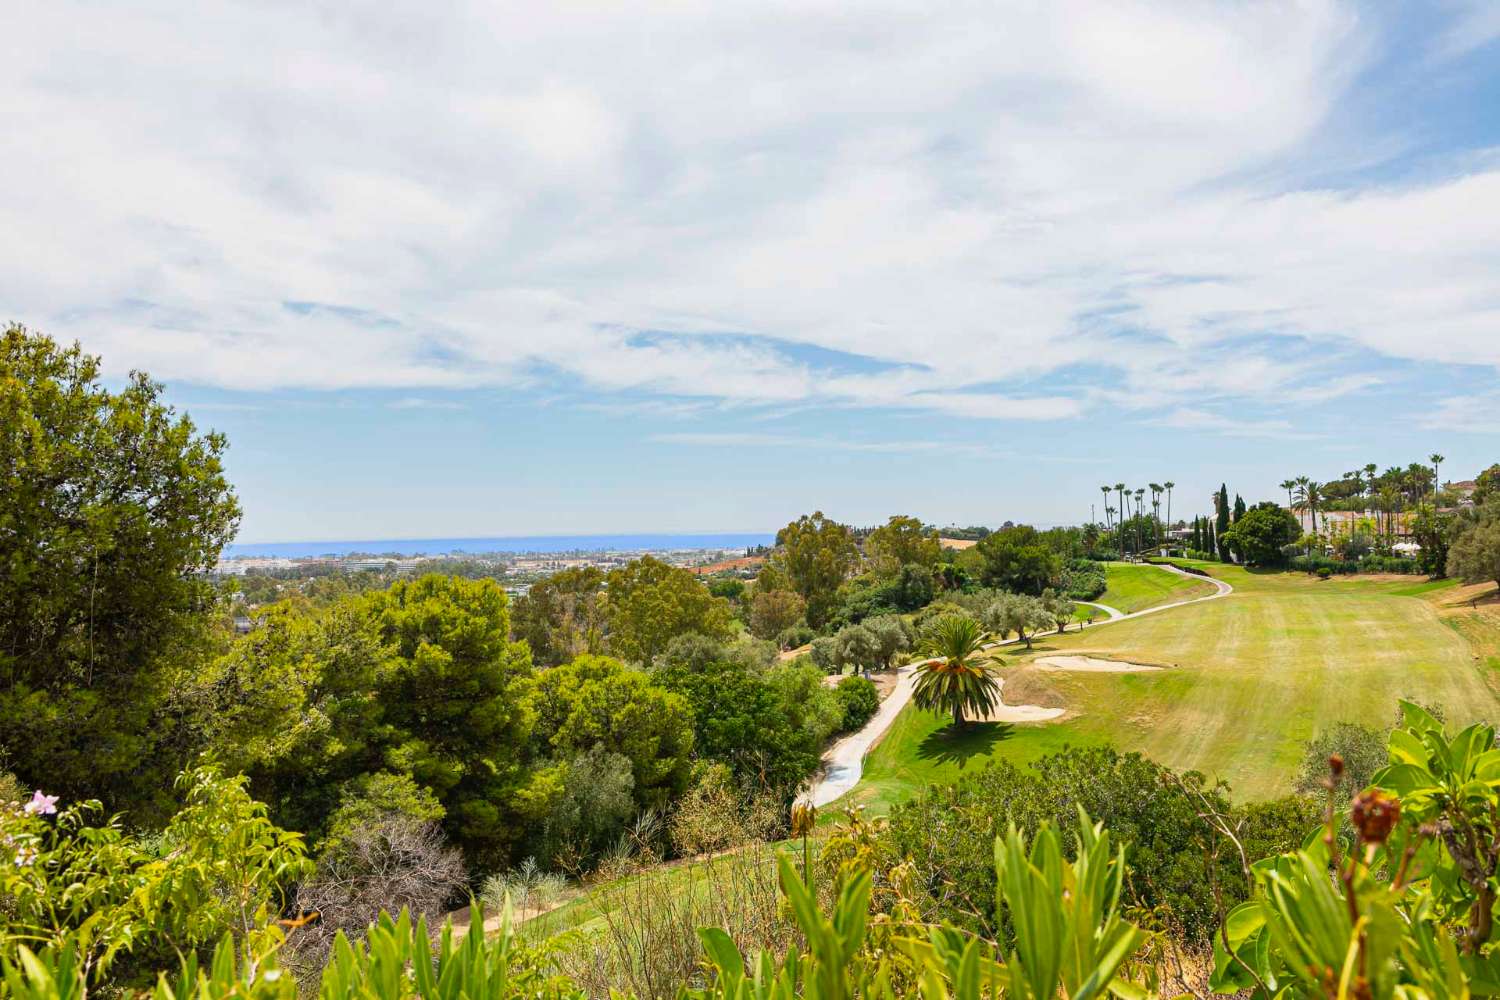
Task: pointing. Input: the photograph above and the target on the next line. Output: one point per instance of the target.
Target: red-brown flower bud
(1374, 814)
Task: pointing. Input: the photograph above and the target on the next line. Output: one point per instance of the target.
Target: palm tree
(1436, 461)
(1310, 498)
(1156, 512)
(1169, 486)
(955, 680)
(1289, 485)
(1140, 499)
(1120, 489)
(1106, 491)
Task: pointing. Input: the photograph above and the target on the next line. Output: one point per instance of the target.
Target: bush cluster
(949, 832)
(1369, 564)
(1083, 579)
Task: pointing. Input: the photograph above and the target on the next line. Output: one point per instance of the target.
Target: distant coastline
(517, 544)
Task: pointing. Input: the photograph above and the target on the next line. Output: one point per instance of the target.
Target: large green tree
(562, 616)
(420, 681)
(899, 542)
(1475, 556)
(814, 554)
(1017, 559)
(740, 720)
(597, 701)
(1259, 534)
(772, 611)
(1434, 530)
(111, 506)
(651, 603)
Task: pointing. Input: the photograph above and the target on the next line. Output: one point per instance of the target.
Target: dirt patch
(1090, 664)
(1467, 598)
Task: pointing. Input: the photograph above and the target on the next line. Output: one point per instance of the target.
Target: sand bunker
(1091, 664)
(1019, 713)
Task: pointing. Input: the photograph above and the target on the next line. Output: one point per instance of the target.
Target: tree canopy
(814, 555)
(1261, 533)
(652, 602)
(1017, 559)
(899, 542)
(111, 505)
(563, 616)
(1475, 556)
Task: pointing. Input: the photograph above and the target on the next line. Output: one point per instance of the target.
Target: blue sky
(705, 267)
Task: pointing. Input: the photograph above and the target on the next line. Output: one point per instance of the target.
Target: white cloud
(1190, 418)
(1470, 414)
(423, 403)
(493, 196)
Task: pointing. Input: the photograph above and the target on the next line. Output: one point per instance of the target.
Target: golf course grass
(1132, 587)
(1249, 679)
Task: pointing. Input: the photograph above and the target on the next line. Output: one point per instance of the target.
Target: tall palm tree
(1436, 461)
(1370, 476)
(1140, 499)
(954, 680)
(1106, 491)
(1169, 486)
(1124, 513)
(1289, 485)
(1156, 512)
(1310, 497)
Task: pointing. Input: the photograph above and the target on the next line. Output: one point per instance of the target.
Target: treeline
(321, 583)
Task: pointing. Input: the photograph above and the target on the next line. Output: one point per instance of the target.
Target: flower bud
(1374, 814)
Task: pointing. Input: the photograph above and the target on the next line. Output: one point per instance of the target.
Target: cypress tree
(1221, 521)
(1239, 508)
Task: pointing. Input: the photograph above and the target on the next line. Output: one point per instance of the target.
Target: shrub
(860, 701)
(824, 654)
(949, 832)
(954, 604)
(1324, 573)
(1361, 748)
(1369, 564)
(526, 887)
(1083, 579)
(392, 863)
(795, 637)
(127, 905)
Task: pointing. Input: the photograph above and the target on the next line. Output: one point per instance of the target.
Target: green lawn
(1138, 586)
(1249, 679)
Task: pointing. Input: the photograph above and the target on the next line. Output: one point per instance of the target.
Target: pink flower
(42, 804)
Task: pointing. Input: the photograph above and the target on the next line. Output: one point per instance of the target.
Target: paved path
(1112, 612)
(843, 763)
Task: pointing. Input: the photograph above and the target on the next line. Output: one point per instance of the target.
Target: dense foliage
(1259, 536)
(1018, 559)
(948, 832)
(111, 505)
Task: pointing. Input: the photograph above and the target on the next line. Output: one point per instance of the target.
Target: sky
(466, 269)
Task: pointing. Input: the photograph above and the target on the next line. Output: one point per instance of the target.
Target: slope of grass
(1136, 587)
(1249, 679)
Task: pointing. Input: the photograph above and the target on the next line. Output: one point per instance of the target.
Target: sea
(518, 544)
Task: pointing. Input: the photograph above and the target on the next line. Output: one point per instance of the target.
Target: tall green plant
(1407, 910)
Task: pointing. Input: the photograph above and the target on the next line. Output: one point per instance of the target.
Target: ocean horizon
(518, 544)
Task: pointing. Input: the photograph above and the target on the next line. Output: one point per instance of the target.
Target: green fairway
(1137, 586)
(1248, 679)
